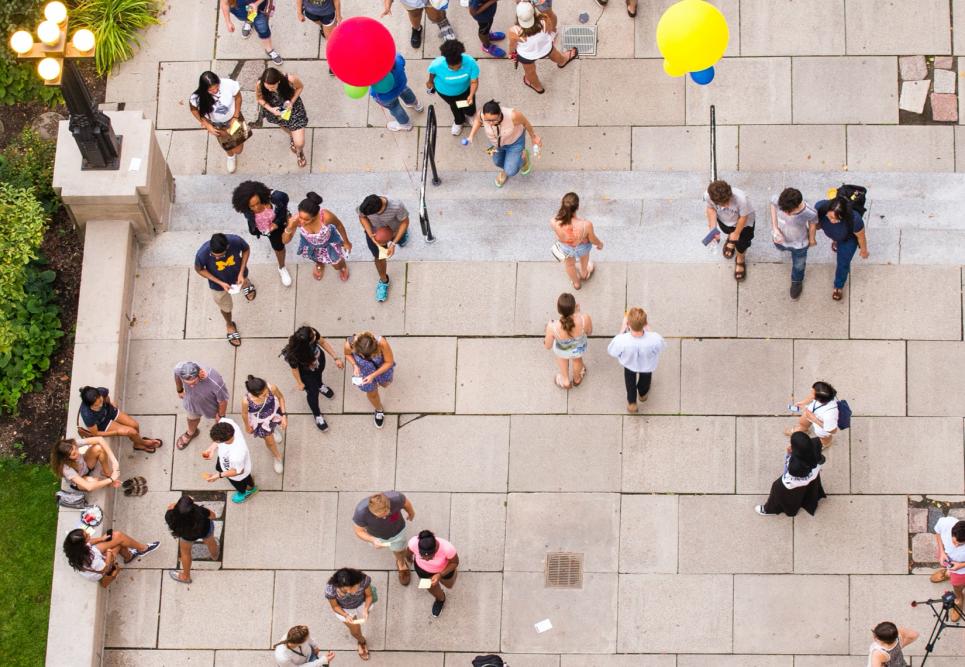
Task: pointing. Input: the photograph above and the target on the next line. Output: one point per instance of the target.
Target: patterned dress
(299, 117)
(324, 247)
(263, 417)
(369, 366)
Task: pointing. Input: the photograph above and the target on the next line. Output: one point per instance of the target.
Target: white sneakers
(396, 126)
(286, 278)
(456, 129)
(232, 163)
(417, 106)
(279, 467)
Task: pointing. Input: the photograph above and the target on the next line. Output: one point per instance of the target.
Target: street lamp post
(99, 147)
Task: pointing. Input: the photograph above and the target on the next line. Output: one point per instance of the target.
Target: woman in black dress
(800, 485)
(280, 98)
(190, 523)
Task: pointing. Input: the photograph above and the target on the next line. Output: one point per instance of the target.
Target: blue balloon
(386, 84)
(703, 77)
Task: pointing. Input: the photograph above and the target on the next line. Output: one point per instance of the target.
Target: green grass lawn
(28, 525)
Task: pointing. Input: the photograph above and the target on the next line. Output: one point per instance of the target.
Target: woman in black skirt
(800, 485)
(280, 98)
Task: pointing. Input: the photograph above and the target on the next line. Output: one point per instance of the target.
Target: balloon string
(405, 164)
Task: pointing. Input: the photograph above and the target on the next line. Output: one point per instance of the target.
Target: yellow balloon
(693, 35)
(673, 69)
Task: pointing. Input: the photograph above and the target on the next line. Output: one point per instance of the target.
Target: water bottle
(464, 141)
(463, 3)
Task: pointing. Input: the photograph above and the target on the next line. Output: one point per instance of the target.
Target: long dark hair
(186, 518)
(805, 454)
(345, 577)
(272, 76)
(300, 350)
(311, 204)
(76, 549)
(89, 395)
(206, 99)
(566, 306)
(841, 207)
(568, 208)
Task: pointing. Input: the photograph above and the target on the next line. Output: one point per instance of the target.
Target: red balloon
(360, 51)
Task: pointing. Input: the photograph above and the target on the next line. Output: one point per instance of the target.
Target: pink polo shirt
(437, 563)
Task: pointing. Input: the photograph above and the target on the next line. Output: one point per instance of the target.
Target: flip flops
(176, 575)
(135, 486)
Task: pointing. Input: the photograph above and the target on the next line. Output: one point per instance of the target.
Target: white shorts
(441, 5)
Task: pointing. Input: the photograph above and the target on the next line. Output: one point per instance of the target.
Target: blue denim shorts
(576, 252)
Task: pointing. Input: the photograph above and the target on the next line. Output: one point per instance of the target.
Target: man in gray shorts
(436, 11)
(379, 521)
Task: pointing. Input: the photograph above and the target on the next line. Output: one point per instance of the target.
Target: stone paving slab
(765, 80)
(872, 78)
(793, 147)
(632, 660)
(931, 314)
(291, 38)
(820, 605)
(134, 658)
(690, 147)
(432, 513)
(417, 386)
(470, 620)
(830, 661)
(734, 660)
(267, 151)
(262, 658)
(648, 534)
(473, 295)
(189, 466)
(390, 658)
(231, 621)
(539, 523)
(325, 101)
(270, 315)
(156, 468)
(494, 377)
(637, 92)
(176, 82)
(143, 518)
(150, 368)
(352, 455)
(539, 285)
(247, 524)
(702, 303)
(526, 601)
(654, 446)
(603, 390)
(708, 367)
(897, 29)
(743, 543)
(132, 609)
(583, 453)
(761, 445)
(363, 149)
(558, 107)
(869, 374)
(931, 365)
(452, 453)
(913, 148)
(293, 607)
(479, 530)
(773, 28)
(515, 659)
(158, 305)
(653, 607)
(766, 311)
(188, 152)
(871, 537)
(938, 465)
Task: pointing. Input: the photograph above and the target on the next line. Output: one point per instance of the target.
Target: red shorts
(957, 577)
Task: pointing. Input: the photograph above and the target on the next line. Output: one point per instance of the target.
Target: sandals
(186, 439)
(574, 54)
(632, 14)
(176, 575)
(405, 576)
(740, 270)
(729, 248)
(560, 382)
(249, 291)
(528, 161)
(134, 481)
(577, 381)
(501, 182)
(134, 487)
(317, 272)
(590, 266)
(532, 87)
(149, 449)
(343, 274)
(363, 650)
(837, 294)
(302, 161)
(233, 337)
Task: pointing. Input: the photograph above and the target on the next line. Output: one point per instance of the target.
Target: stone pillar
(140, 191)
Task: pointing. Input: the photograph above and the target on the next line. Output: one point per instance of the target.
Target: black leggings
(242, 486)
(313, 383)
(459, 115)
(637, 383)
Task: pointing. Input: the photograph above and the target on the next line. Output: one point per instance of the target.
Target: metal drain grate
(580, 37)
(564, 570)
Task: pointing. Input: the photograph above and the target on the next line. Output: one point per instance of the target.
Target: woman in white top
(506, 130)
(820, 411)
(216, 104)
(567, 337)
(298, 648)
(531, 39)
(87, 464)
(94, 558)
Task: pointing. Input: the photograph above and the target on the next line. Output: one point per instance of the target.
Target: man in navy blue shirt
(844, 226)
(224, 262)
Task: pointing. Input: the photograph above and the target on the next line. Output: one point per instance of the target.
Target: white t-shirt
(738, 206)
(299, 655)
(794, 227)
(944, 529)
(235, 455)
(224, 101)
(827, 413)
(97, 564)
(639, 354)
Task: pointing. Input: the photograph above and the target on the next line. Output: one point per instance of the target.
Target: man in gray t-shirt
(379, 521)
(386, 225)
(793, 226)
(729, 209)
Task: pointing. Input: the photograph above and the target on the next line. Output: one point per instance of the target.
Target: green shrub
(19, 81)
(28, 163)
(115, 24)
(21, 233)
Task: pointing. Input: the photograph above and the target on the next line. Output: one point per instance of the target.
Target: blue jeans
(846, 250)
(799, 260)
(396, 109)
(509, 158)
(260, 23)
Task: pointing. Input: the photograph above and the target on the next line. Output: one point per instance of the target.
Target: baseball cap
(525, 14)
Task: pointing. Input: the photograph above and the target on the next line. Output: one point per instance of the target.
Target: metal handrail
(428, 158)
(713, 143)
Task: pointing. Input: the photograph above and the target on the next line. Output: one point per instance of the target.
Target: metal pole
(428, 158)
(99, 147)
(713, 143)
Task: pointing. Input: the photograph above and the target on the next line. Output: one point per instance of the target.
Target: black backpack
(856, 194)
(488, 661)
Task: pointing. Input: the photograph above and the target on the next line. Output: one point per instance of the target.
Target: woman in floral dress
(323, 238)
(263, 408)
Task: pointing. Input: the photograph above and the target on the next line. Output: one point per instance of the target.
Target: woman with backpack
(818, 411)
(842, 223)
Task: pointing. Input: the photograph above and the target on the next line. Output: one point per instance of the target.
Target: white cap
(525, 14)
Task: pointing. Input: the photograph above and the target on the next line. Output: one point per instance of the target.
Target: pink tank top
(506, 132)
(264, 219)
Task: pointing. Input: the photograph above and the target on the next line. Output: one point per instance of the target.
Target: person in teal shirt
(455, 76)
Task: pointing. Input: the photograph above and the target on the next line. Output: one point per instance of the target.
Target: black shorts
(526, 61)
(275, 238)
(311, 15)
(743, 241)
(429, 575)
